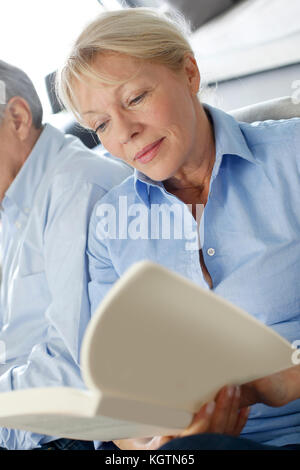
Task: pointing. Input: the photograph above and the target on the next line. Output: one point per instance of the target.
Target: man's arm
(54, 361)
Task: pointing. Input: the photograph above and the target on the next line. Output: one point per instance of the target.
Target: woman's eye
(138, 98)
(101, 127)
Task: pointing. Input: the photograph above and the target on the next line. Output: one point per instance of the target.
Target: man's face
(7, 155)
(6, 142)
(2, 93)
(15, 143)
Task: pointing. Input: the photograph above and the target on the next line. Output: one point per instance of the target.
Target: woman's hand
(223, 416)
(274, 390)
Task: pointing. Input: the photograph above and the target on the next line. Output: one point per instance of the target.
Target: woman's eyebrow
(89, 112)
(116, 91)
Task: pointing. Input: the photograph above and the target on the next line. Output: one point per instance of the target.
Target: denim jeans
(65, 444)
(220, 442)
(210, 442)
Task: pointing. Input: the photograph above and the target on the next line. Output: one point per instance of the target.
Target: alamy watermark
(296, 353)
(157, 222)
(2, 92)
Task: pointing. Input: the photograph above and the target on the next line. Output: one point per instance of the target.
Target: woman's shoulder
(274, 142)
(126, 189)
(281, 130)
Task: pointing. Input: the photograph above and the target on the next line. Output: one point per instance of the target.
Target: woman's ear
(20, 117)
(191, 72)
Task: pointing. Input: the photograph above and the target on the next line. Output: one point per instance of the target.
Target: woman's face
(152, 121)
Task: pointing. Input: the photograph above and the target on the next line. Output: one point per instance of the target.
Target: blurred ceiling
(254, 36)
(201, 11)
(197, 12)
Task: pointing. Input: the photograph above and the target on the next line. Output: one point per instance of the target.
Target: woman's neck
(191, 182)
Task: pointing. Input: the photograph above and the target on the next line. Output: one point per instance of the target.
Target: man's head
(21, 116)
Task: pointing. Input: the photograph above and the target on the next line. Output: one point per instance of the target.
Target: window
(36, 35)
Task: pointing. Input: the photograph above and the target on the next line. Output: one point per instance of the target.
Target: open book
(157, 348)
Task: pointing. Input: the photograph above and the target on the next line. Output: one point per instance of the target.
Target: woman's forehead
(117, 67)
(128, 73)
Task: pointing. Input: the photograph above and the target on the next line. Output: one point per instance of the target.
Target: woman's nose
(127, 129)
(128, 138)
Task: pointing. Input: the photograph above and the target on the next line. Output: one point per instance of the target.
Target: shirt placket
(190, 246)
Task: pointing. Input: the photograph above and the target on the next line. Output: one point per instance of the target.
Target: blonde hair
(142, 33)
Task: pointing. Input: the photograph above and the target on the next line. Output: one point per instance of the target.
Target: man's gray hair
(14, 82)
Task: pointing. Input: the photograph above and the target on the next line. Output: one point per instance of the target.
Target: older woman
(132, 78)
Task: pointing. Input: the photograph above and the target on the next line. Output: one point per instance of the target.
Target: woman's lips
(149, 152)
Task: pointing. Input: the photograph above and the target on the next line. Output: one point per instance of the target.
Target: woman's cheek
(161, 116)
(112, 148)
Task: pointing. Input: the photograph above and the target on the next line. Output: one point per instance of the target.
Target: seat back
(278, 108)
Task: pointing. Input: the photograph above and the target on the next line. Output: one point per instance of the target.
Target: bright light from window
(37, 35)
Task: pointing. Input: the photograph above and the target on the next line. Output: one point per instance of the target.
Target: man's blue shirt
(44, 306)
(249, 234)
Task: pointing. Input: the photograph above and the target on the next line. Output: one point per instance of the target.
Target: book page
(95, 428)
(160, 339)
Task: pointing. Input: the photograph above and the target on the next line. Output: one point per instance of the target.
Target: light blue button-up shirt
(249, 233)
(44, 305)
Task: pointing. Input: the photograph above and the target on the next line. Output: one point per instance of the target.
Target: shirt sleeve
(102, 277)
(55, 360)
(101, 270)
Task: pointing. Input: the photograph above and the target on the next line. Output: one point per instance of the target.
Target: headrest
(278, 108)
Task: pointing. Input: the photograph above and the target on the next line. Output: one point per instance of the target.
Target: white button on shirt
(210, 251)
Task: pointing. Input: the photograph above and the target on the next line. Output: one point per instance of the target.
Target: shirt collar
(229, 140)
(23, 188)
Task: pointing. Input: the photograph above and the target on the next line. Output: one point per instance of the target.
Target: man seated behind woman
(132, 77)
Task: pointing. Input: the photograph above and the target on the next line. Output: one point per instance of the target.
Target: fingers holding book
(222, 416)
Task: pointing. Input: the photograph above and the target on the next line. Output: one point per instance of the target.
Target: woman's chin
(158, 174)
